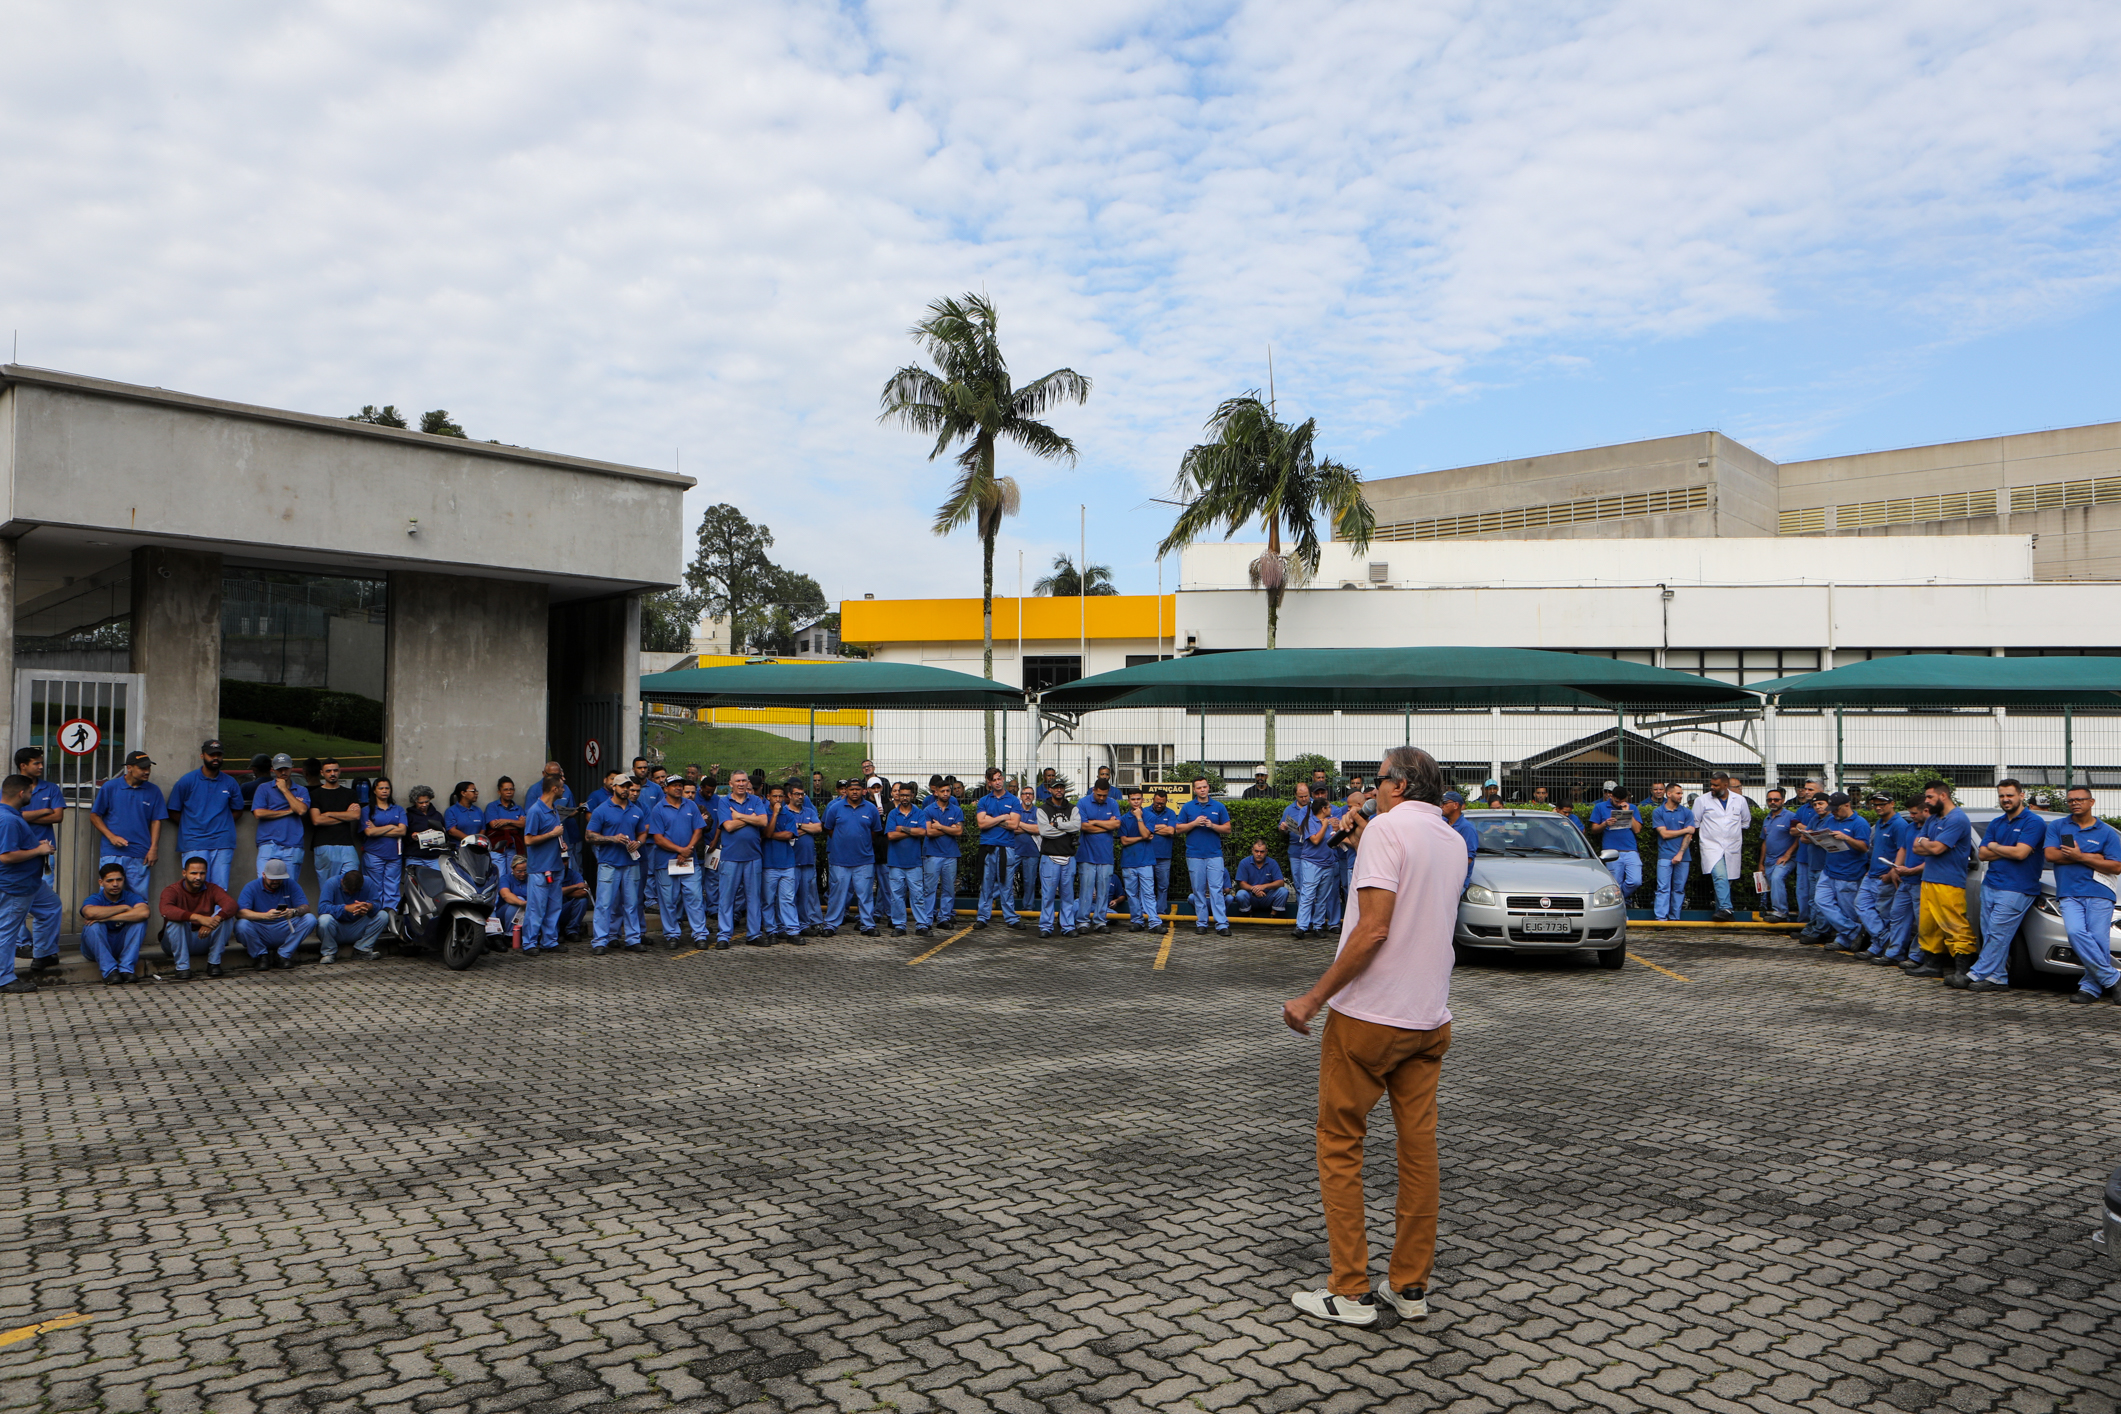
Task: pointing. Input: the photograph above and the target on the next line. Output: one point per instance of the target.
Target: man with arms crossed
(1389, 988)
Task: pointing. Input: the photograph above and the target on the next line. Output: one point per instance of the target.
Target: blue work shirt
(515, 812)
(126, 899)
(609, 819)
(1888, 838)
(850, 833)
(1007, 803)
(204, 807)
(1265, 871)
(468, 818)
(287, 830)
(1137, 842)
(46, 796)
(1203, 843)
(943, 846)
(127, 810)
(2017, 876)
(803, 848)
(904, 853)
(1775, 836)
(1470, 833)
(675, 823)
(647, 794)
(1618, 836)
(1298, 818)
(1667, 817)
(1956, 833)
(17, 833)
(1847, 864)
(2081, 880)
(258, 899)
(332, 899)
(544, 857)
(778, 854)
(741, 843)
(1095, 848)
(1163, 816)
(1812, 817)
(382, 846)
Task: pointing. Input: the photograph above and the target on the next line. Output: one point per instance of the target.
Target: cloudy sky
(1466, 230)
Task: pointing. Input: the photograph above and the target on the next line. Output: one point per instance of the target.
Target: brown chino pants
(1357, 1062)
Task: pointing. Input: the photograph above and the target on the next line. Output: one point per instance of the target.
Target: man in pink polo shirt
(1389, 989)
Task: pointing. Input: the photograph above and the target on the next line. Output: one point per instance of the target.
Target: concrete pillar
(7, 651)
(464, 692)
(176, 632)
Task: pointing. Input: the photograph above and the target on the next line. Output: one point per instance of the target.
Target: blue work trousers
(858, 880)
(682, 902)
(907, 896)
(113, 947)
(385, 879)
(1141, 893)
(336, 861)
(1778, 884)
(136, 871)
(38, 907)
(259, 938)
(1163, 887)
(1056, 893)
(1807, 887)
(360, 934)
(541, 912)
(939, 881)
(218, 863)
(2001, 913)
(779, 887)
(1244, 904)
(291, 853)
(808, 912)
(1093, 890)
(178, 940)
(1721, 878)
(997, 885)
(1310, 894)
(1834, 900)
(618, 907)
(1671, 889)
(1907, 917)
(744, 880)
(1210, 878)
(1626, 870)
(2090, 923)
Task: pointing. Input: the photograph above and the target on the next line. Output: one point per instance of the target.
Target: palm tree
(967, 397)
(1258, 469)
(1065, 583)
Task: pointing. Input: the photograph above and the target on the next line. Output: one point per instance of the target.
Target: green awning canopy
(1392, 679)
(853, 683)
(1954, 680)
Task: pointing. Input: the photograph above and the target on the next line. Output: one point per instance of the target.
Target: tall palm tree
(1066, 583)
(1256, 468)
(967, 397)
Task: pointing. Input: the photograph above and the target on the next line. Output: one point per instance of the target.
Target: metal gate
(595, 746)
(86, 723)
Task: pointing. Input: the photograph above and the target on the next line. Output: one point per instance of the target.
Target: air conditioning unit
(1380, 571)
(1127, 776)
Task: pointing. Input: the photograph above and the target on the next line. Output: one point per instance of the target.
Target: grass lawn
(741, 748)
(242, 740)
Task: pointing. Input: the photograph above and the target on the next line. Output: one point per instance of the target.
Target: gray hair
(1416, 771)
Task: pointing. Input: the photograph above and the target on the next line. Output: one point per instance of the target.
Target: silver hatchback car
(1536, 887)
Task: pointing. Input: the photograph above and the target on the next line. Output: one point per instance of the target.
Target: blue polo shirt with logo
(2016, 876)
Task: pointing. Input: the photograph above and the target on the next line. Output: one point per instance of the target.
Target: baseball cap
(1454, 797)
(1879, 795)
(1487, 783)
(1612, 785)
(138, 758)
(274, 869)
(1260, 772)
(209, 748)
(283, 759)
(1838, 798)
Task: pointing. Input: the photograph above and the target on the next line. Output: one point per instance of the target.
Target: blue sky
(1468, 231)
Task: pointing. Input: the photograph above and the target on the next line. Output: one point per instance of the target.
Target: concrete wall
(356, 649)
(463, 699)
(105, 455)
(174, 594)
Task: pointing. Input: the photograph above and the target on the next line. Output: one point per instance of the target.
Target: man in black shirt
(333, 809)
(1259, 789)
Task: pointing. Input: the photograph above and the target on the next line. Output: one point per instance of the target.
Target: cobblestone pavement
(1043, 1176)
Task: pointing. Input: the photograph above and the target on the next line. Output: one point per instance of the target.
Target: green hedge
(342, 714)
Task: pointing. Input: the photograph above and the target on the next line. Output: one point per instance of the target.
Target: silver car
(1536, 887)
(2042, 945)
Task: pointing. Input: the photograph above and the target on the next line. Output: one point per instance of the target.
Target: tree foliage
(732, 577)
(384, 416)
(438, 423)
(1066, 583)
(669, 618)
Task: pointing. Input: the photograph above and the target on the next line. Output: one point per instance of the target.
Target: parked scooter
(444, 902)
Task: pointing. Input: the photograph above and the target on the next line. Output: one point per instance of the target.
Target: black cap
(1838, 799)
(209, 748)
(1879, 795)
(138, 758)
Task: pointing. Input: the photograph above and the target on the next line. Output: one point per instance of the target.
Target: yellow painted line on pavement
(1655, 968)
(56, 1323)
(940, 946)
(1163, 954)
(689, 952)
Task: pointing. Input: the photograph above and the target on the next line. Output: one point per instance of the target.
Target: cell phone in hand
(2069, 841)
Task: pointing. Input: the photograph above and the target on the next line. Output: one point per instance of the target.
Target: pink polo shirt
(1410, 852)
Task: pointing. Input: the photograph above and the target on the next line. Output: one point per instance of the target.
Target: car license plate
(1547, 925)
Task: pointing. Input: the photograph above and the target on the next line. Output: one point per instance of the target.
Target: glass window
(1050, 670)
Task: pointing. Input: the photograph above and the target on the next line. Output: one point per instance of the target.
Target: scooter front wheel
(463, 942)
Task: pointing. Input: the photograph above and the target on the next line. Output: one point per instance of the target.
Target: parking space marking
(1655, 968)
(941, 945)
(56, 1323)
(1163, 954)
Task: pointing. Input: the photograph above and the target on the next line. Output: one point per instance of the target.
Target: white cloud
(619, 228)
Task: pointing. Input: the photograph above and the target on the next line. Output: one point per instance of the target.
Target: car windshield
(1530, 835)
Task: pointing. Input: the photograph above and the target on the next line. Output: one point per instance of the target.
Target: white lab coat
(1722, 825)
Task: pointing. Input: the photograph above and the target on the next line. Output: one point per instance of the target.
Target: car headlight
(1607, 897)
(1480, 894)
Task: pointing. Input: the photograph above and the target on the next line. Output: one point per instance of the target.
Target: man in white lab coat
(1721, 815)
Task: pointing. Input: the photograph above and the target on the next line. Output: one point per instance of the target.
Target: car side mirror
(1609, 855)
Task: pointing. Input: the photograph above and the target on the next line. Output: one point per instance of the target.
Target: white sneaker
(1348, 1310)
(1412, 1304)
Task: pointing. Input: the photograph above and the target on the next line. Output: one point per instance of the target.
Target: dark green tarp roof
(1954, 680)
(1371, 679)
(826, 685)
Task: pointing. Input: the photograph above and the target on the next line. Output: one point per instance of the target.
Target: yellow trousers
(1942, 925)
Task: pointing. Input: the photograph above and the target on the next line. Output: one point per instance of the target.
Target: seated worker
(349, 912)
(1260, 887)
(196, 913)
(113, 925)
(514, 898)
(574, 902)
(273, 917)
(504, 821)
